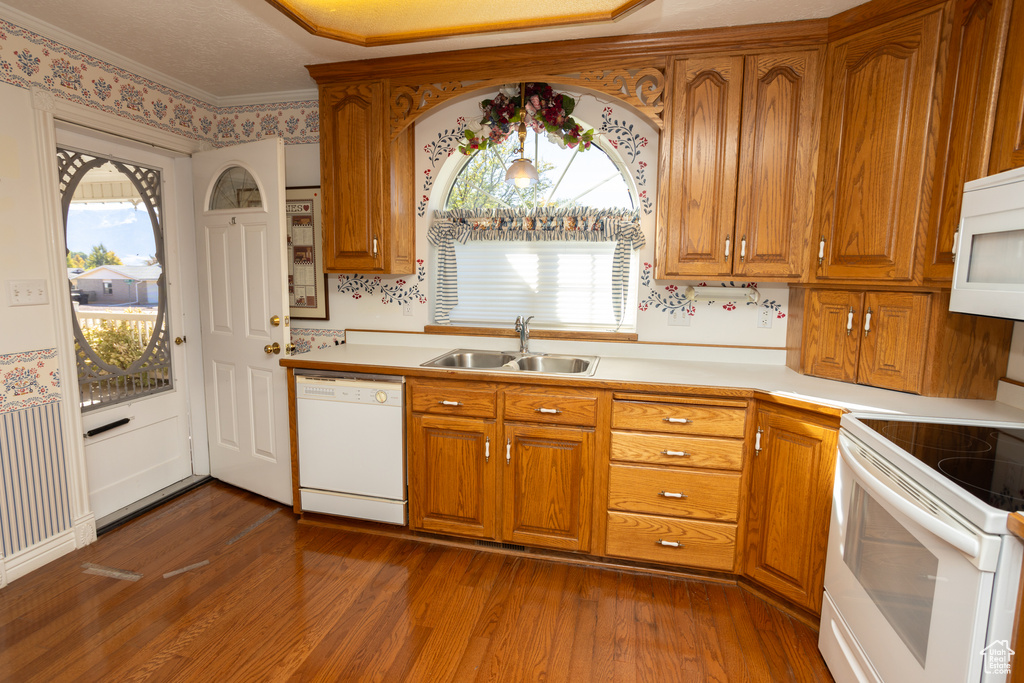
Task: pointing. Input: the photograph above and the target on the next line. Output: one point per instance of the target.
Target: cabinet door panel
(788, 513)
(891, 349)
(831, 336)
(452, 464)
(699, 195)
(547, 486)
(979, 35)
(778, 156)
(354, 174)
(878, 112)
(1008, 136)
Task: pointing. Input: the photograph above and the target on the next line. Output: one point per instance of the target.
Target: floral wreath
(543, 110)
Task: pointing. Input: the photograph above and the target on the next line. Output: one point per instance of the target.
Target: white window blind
(563, 284)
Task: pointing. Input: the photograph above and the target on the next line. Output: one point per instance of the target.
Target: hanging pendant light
(521, 172)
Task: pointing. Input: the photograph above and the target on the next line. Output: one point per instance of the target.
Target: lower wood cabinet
(522, 483)
(452, 475)
(546, 484)
(789, 504)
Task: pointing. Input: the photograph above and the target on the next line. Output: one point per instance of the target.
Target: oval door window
(235, 189)
(113, 226)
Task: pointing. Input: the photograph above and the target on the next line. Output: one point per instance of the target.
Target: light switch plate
(27, 293)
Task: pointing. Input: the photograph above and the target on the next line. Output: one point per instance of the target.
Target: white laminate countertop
(773, 379)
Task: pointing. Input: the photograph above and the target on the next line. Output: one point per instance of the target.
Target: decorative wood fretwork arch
(642, 88)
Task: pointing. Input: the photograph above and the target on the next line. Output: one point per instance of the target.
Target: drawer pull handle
(678, 454)
(508, 451)
(549, 411)
(487, 450)
(670, 544)
(678, 420)
(450, 403)
(669, 494)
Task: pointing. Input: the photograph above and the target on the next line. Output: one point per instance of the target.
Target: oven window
(897, 572)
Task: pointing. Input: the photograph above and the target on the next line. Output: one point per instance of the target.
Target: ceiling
(231, 51)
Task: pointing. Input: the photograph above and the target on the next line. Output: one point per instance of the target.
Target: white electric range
(921, 576)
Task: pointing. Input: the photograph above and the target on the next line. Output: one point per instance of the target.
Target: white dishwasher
(351, 445)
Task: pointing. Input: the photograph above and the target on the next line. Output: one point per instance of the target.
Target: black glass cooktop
(988, 462)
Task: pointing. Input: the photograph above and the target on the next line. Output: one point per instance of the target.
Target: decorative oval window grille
(235, 189)
(122, 349)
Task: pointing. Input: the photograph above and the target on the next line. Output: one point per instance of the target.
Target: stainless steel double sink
(507, 361)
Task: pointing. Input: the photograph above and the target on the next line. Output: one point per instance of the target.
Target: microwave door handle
(958, 539)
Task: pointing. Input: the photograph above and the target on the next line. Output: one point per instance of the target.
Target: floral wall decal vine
(398, 292)
(671, 297)
(438, 150)
(629, 143)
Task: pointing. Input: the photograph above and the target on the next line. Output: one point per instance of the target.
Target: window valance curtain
(565, 225)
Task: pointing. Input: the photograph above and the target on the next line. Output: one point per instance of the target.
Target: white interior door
(150, 448)
(240, 244)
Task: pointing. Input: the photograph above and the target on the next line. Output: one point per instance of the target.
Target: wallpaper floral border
(28, 59)
(308, 338)
(391, 290)
(669, 298)
(29, 379)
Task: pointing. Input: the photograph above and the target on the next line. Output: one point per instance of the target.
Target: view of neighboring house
(118, 285)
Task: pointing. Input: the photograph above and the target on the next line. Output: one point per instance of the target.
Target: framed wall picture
(307, 283)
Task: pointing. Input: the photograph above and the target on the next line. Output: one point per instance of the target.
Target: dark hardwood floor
(266, 598)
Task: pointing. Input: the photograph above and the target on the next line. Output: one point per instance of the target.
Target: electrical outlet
(679, 318)
(26, 293)
(407, 308)
(764, 317)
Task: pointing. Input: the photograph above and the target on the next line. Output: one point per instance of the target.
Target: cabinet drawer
(681, 451)
(556, 408)
(680, 493)
(711, 545)
(678, 418)
(456, 398)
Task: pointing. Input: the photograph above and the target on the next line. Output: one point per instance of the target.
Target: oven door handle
(960, 540)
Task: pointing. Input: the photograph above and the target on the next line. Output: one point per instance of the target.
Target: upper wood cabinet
(737, 168)
(878, 130)
(968, 116)
(789, 503)
(367, 183)
(1008, 138)
(906, 341)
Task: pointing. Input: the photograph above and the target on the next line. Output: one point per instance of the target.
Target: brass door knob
(275, 321)
(289, 349)
(179, 340)
(272, 348)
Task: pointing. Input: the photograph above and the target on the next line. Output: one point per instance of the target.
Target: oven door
(902, 576)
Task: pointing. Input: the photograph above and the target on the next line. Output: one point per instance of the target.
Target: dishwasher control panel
(348, 390)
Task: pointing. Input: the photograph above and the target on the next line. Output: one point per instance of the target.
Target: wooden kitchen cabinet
(452, 468)
(1008, 136)
(509, 463)
(968, 116)
(790, 503)
(866, 337)
(905, 341)
(674, 480)
(733, 117)
(367, 183)
(879, 125)
(547, 486)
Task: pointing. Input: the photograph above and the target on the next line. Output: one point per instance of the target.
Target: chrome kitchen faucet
(523, 328)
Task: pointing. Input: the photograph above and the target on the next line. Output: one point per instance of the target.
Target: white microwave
(988, 276)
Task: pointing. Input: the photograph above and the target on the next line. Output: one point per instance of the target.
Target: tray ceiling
(239, 50)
